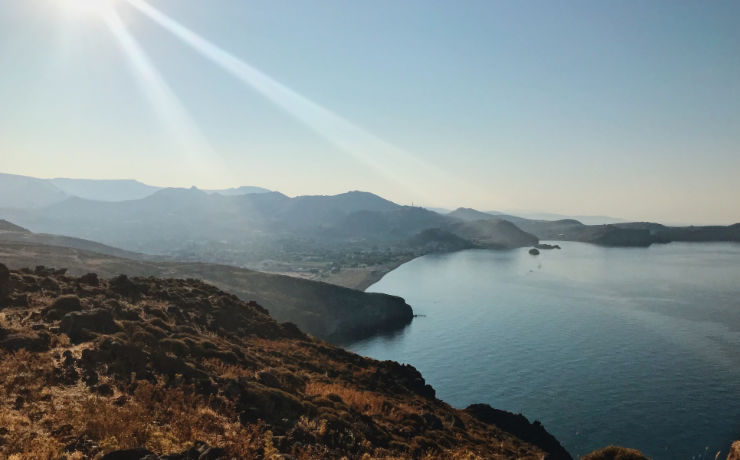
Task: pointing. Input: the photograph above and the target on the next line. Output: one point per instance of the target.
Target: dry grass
(365, 402)
(163, 419)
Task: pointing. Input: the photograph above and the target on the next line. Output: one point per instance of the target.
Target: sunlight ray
(386, 159)
(182, 128)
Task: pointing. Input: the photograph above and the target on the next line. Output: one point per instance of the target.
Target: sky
(622, 108)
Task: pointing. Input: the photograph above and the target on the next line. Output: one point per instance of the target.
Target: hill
(104, 190)
(27, 192)
(23, 192)
(617, 234)
(324, 310)
(350, 239)
(493, 234)
(243, 190)
(130, 367)
(6, 226)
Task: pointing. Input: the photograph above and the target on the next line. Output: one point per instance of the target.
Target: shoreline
(362, 278)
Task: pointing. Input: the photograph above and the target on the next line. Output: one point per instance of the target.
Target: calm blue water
(636, 347)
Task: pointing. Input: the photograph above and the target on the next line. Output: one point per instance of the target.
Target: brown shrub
(615, 453)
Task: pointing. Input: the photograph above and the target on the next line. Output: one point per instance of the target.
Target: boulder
(122, 285)
(49, 284)
(4, 283)
(31, 342)
(90, 279)
(534, 251)
(61, 306)
(81, 326)
(128, 454)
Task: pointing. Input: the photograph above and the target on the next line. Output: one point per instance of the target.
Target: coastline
(362, 278)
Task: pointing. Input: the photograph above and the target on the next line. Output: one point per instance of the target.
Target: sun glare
(87, 7)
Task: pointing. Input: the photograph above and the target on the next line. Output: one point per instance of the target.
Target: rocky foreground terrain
(150, 368)
(125, 368)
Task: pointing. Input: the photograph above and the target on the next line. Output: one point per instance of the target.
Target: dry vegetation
(92, 366)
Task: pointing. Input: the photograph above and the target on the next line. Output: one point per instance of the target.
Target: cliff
(324, 310)
(130, 367)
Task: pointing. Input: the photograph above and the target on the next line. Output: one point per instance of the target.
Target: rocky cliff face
(330, 312)
(133, 367)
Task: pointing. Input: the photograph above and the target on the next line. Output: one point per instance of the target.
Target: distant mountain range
(29, 192)
(246, 229)
(617, 234)
(584, 219)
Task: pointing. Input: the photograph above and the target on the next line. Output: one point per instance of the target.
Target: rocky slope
(324, 310)
(130, 367)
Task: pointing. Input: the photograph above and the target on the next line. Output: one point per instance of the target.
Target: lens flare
(86, 8)
(386, 159)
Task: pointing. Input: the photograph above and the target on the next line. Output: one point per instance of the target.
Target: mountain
(104, 190)
(618, 234)
(243, 190)
(28, 192)
(588, 220)
(493, 234)
(6, 226)
(134, 368)
(172, 220)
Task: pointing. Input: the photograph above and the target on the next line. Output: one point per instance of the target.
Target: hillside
(351, 239)
(92, 367)
(104, 190)
(324, 310)
(354, 235)
(24, 192)
(6, 226)
(617, 234)
(27, 192)
(493, 234)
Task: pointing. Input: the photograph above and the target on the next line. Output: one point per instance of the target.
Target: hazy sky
(624, 108)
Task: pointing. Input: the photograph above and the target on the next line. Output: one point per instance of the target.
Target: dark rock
(291, 331)
(85, 445)
(89, 279)
(81, 326)
(546, 246)
(37, 343)
(534, 251)
(49, 284)
(519, 426)
(18, 300)
(103, 389)
(268, 378)
(4, 283)
(61, 306)
(128, 454)
(119, 359)
(213, 453)
(432, 421)
(172, 366)
(122, 285)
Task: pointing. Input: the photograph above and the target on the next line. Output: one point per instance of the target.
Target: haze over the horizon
(629, 109)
